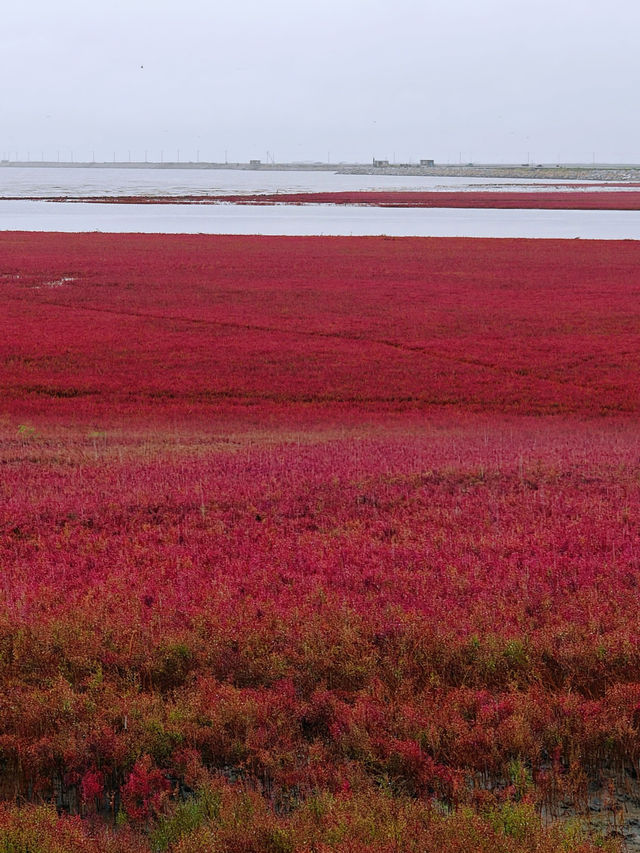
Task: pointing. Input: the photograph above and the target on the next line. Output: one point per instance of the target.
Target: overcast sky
(476, 80)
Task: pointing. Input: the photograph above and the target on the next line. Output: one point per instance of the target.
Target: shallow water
(314, 219)
(42, 181)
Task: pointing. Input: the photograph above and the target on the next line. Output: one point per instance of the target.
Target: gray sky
(481, 80)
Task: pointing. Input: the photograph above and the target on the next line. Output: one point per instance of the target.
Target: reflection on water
(339, 220)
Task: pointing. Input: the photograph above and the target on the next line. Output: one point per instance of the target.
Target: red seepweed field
(577, 197)
(541, 199)
(313, 544)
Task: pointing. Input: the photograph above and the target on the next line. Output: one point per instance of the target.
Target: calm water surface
(40, 181)
(338, 220)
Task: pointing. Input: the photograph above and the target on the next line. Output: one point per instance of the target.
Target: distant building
(380, 163)
(427, 163)
(255, 162)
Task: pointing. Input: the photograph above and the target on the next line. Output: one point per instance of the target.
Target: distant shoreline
(565, 172)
